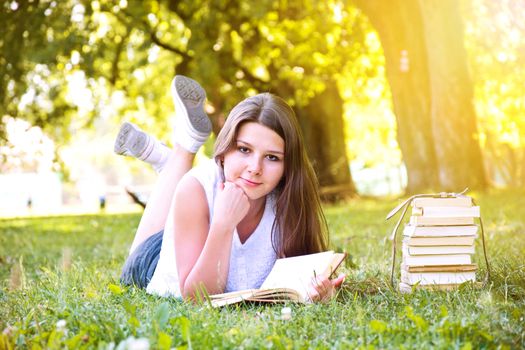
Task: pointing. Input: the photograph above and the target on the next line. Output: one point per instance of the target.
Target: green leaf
(134, 323)
(443, 311)
(486, 335)
(184, 324)
(73, 342)
(418, 320)
(162, 315)
(53, 340)
(4, 342)
(467, 346)
(130, 307)
(378, 326)
(115, 289)
(163, 341)
(516, 314)
(232, 332)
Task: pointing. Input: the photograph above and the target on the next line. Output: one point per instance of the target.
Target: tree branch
(158, 42)
(116, 59)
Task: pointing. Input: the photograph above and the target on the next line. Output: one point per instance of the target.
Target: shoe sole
(189, 98)
(131, 141)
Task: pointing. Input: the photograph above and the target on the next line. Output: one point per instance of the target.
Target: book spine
(440, 250)
(440, 231)
(446, 221)
(437, 277)
(433, 260)
(440, 268)
(446, 212)
(439, 241)
(442, 202)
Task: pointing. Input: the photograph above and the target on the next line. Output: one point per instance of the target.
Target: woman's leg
(159, 202)
(192, 128)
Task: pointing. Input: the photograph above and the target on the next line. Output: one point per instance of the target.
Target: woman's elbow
(198, 291)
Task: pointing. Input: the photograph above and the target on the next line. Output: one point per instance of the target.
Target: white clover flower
(286, 313)
(132, 343)
(139, 344)
(61, 325)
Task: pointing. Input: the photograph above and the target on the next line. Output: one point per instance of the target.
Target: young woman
(221, 226)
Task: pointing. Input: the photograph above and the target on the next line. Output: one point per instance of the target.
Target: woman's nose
(254, 165)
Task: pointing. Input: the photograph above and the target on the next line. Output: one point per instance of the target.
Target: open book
(288, 280)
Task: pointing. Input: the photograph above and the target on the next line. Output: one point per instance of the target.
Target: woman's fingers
(323, 289)
(338, 281)
(231, 205)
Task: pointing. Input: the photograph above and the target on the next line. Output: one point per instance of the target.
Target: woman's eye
(272, 157)
(243, 149)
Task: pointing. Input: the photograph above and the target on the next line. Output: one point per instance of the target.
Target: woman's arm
(203, 245)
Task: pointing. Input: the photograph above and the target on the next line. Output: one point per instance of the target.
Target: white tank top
(250, 262)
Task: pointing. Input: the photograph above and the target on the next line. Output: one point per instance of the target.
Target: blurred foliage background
(429, 91)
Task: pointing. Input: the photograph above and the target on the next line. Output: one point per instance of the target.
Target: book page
(297, 272)
(245, 293)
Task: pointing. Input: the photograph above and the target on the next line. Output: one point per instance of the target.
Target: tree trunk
(452, 111)
(323, 129)
(431, 91)
(397, 23)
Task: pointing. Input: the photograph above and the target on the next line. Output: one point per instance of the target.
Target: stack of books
(438, 243)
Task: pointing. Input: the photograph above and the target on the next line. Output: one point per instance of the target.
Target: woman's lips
(250, 183)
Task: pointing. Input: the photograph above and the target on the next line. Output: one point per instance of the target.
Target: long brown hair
(300, 226)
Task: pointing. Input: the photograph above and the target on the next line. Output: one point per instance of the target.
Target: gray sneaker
(131, 141)
(192, 126)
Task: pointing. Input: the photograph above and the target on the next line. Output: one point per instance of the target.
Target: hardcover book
(407, 288)
(440, 231)
(288, 280)
(441, 268)
(425, 278)
(438, 249)
(433, 260)
(439, 241)
(460, 201)
(435, 221)
(446, 212)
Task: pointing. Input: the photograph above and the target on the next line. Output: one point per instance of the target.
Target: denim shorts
(140, 265)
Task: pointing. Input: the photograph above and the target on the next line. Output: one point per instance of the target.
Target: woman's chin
(254, 195)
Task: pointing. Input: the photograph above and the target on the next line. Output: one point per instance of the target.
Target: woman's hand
(323, 289)
(231, 205)
(203, 251)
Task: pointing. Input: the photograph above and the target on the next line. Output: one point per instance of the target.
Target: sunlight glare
(153, 54)
(139, 75)
(75, 57)
(78, 92)
(338, 13)
(152, 19)
(77, 14)
(502, 57)
(103, 24)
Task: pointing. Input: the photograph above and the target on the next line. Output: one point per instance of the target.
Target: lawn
(59, 289)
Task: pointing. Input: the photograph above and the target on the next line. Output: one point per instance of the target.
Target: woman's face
(256, 162)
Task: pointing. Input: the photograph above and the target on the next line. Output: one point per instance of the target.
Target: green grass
(67, 268)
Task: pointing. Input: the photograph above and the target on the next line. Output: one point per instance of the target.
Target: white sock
(186, 141)
(156, 154)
